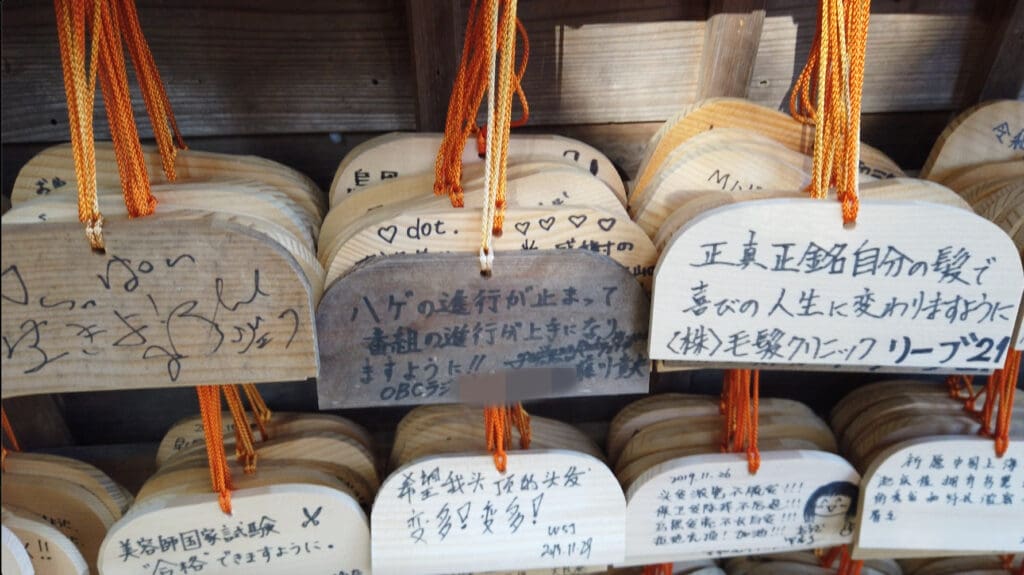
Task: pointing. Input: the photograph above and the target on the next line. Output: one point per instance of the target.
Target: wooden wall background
(303, 82)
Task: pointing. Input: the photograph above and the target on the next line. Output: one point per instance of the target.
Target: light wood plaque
(286, 528)
(452, 513)
(936, 496)
(777, 282)
(174, 301)
(711, 506)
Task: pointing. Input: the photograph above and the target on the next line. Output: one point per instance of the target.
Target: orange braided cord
(739, 407)
(150, 84)
(753, 453)
(503, 115)
(497, 433)
(244, 449)
(261, 413)
(659, 569)
(481, 131)
(1004, 383)
(521, 420)
(123, 131)
(107, 20)
(467, 93)
(220, 475)
(833, 80)
(9, 431)
(79, 89)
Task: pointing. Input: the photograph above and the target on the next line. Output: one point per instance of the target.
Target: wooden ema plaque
(711, 506)
(286, 528)
(428, 328)
(913, 286)
(453, 514)
(174, 301)
(937, 496)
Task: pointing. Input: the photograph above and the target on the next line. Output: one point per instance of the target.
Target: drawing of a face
(832, 505)
(835, 499)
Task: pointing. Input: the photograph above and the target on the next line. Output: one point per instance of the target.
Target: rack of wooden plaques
(198, 297)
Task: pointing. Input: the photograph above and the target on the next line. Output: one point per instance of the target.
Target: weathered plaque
(414, 329)
(942, 496)
(451, 514)
(783, 282)
(288, 528)
(711, 506)
(175, 301)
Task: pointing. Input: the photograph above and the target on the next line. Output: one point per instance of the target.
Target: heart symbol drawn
(387, 233)
(546, 223)
(578, 220)
(606, 224)
(522, 227)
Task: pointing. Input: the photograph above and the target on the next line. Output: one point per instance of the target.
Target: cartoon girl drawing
(835, 499)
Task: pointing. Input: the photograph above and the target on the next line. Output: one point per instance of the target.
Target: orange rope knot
(220, 474)
(998, 398)
(740, 403)
(498, 423)
(111, 24)
(847, 566)
(828, 94)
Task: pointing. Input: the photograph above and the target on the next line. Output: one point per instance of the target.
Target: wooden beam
(1006, 76)
(435, 40)
(731, 40)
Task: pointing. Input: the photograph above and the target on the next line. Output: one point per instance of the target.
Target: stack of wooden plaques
(60, 509)
(663, 427)
(802, 563)
(973, 565)
(265, 196)
(724, 150)
(442, 429)
(980, 155)
(313, 448)
(305, 501)
(562, 194)
(875, 417)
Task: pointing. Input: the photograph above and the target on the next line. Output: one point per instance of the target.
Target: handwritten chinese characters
(409, 329)
(989, 132)
(782, 282)
(711, 506)
(172, 301)
(949, 495)
(287, 528)
(552, 508)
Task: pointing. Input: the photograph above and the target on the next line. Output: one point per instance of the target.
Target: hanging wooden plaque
(913, 285)
(175, 301)
(286, 528)
(711, 506)
(938, 496)
(428, 328)
(455, 513)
